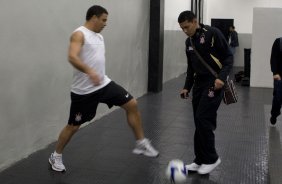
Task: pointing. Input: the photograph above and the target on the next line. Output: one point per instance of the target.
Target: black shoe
(273, 120)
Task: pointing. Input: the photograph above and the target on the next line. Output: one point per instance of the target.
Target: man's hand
(218, 84)
(276, 77)
(94, 77)
(184, 93)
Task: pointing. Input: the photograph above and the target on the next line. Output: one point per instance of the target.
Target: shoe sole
(54, 168)
(205, 172)
(138, 152)
(192, 170)
(273, 122)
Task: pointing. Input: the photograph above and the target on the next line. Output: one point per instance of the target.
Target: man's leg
(65, 136)
(206, 124)
(232, 50)
(56, 158)
(197, 160)
(143, 145)
(134, 118)
(276, 101)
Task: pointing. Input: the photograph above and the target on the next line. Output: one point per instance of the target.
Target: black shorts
(83, 107)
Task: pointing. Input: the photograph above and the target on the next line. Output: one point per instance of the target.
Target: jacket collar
(199, 30)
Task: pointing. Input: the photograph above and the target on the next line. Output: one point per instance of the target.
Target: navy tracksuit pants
(277, 98)
(205, 106)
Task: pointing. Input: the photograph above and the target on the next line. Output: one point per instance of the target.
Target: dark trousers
(277, 98)
(205, 114)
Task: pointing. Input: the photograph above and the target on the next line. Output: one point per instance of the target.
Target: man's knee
(72, 128)
(205, 122)
(130, 105)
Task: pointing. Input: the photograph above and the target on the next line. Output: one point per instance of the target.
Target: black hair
(95, 10)
(186, 15)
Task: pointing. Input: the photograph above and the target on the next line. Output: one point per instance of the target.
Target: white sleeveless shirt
(93, 54)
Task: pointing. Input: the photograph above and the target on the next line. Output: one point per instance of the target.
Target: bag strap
(202, 60)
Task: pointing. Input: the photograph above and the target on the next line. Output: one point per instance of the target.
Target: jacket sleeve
(274, 58)
(226, 56)
(234, 39)
(189, 82)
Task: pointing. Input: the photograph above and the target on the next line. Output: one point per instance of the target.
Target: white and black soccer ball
(176, 171)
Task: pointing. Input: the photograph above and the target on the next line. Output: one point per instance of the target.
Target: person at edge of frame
(276, 69)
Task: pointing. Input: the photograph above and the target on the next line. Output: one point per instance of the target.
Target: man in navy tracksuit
(207, 89)
(276, 68)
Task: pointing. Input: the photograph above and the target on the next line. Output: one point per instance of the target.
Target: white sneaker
(144, 147)
(57, 163)
(207, 168)
(192, 167)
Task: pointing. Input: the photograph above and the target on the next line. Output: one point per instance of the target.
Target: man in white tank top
(92, 86)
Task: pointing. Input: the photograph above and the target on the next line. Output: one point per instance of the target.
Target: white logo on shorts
(78, 117)
(127, 95)
(211, 94)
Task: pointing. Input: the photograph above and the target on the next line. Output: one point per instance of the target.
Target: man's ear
(94, 17)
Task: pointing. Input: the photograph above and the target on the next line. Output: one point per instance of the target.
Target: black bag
(239, 76)
(229, 94)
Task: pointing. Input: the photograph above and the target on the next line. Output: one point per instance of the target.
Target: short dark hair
(95, 10)
(186, 15)
(233, 27)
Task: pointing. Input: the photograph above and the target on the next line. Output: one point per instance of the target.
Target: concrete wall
(174, 59)
(35, 75)
(245, 40)
(172, 9)
(266, 28)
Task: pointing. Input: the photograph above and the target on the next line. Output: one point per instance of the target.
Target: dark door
(223, 25)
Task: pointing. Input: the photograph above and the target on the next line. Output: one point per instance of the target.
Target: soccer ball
(176, 171)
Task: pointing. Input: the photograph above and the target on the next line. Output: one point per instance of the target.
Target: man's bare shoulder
(77, 36)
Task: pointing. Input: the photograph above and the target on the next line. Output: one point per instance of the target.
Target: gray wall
(35, 76)
(175, 60)
(266, 27)
(245, 41)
